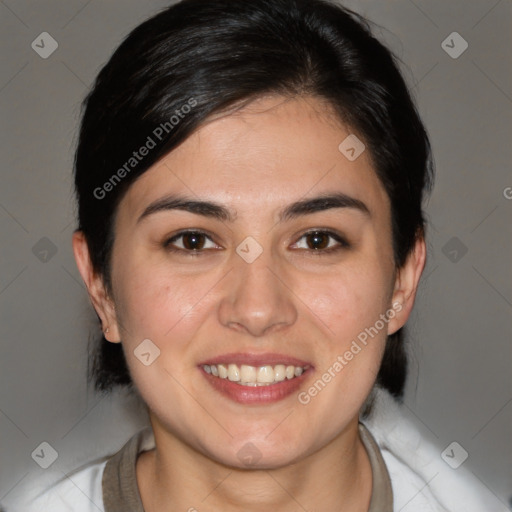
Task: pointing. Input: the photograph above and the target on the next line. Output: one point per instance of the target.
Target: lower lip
(255, 394)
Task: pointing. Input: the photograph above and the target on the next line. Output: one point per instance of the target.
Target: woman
(250, 177)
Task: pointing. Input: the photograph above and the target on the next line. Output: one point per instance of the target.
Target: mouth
(246, 375)
(251, 379)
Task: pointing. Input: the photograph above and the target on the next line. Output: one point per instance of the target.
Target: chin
(259, 454)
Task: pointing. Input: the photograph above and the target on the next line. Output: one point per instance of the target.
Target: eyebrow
(217, 211)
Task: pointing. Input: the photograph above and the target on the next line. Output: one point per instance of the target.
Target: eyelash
(342, 243)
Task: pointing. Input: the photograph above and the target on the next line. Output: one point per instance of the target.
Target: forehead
(269, 153)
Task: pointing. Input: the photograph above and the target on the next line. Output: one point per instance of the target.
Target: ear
(406, 285)
(100, 299)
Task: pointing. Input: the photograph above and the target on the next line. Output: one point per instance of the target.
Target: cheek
(166, 309)
(153, 302)
(170, 310)
(350, 301)
(351, 306)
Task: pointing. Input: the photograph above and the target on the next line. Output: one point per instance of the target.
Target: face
(265, 283)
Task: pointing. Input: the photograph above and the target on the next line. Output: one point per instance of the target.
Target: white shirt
(421, 480)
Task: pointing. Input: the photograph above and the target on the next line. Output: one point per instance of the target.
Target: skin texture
(291, 299)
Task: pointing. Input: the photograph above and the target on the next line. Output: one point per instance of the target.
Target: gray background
(460, 382)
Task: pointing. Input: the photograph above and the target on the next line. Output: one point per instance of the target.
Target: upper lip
(252, 359)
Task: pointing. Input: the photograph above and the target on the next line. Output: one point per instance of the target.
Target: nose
(257, 298)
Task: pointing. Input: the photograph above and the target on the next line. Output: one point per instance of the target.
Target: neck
(176, 477)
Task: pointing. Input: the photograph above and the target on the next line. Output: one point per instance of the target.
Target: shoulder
(410, 491)
(82, 490)
(421, 480)
(79, 491)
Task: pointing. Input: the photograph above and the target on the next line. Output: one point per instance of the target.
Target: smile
(246, 375)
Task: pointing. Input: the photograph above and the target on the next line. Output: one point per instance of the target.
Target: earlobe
(406, 285)
(98, 295)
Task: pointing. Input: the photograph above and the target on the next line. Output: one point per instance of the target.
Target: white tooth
(298, 371)
(265, 374)
(223, 371)
(233, 373)
(247, 373)
(207, 368)
(214, 370)
(255, 384)
(290, 372)
(279, 372)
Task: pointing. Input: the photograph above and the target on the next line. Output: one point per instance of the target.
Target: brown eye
(320, 242)
(192, 242)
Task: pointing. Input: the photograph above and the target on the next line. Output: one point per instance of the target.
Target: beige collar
(121, 493)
